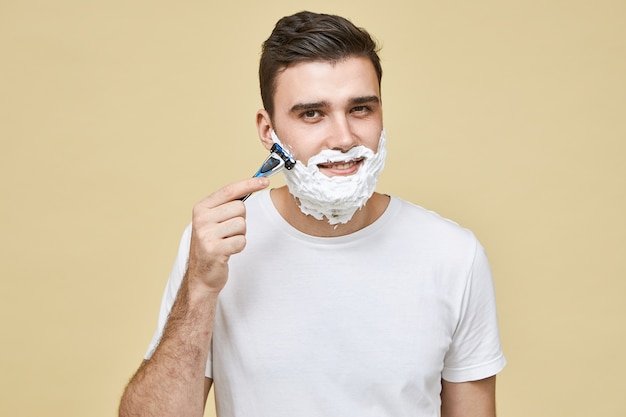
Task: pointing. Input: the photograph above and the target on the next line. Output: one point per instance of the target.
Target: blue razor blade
(278, 159)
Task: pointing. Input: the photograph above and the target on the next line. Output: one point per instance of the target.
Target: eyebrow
(325, 104)
(309, 106)
(365, 100)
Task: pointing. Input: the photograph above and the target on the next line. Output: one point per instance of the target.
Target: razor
(276, 162)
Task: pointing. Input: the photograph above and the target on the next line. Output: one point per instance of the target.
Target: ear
(264, 127)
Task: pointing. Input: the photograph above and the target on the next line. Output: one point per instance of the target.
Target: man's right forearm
(172, 382)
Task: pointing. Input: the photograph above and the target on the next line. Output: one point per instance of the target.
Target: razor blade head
(275, 162)
(289, 161)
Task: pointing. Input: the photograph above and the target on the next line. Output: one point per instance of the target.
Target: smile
(340, 164)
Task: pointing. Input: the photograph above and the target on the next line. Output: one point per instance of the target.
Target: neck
(287, 206)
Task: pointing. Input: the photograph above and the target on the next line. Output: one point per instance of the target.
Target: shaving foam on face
(336, 198)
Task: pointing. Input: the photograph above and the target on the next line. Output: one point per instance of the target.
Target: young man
(344, 302)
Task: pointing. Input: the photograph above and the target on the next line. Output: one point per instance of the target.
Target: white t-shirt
(360, 325)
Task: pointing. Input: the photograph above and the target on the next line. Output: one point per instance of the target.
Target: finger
(235, 244)
(229, 228)
(223, 239)
(202, 214)
(236, 190)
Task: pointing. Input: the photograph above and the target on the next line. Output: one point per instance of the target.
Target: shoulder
(432, 236)
(428, 223)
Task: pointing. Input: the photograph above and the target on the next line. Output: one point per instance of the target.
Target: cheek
(374, 145)
(301, 145)
(368, 132)
(302, 152)
(371, 142)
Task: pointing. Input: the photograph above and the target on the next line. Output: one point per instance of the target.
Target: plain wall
(116, 117)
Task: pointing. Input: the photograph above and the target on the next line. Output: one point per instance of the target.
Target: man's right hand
(218, 231)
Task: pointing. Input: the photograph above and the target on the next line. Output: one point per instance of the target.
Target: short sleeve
(171, 289)
(475, 352)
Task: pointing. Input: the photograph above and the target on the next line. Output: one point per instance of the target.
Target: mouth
(341, 167)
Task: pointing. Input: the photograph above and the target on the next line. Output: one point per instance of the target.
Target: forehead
(327, 81)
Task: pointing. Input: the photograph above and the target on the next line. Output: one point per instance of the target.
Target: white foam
(335, 198)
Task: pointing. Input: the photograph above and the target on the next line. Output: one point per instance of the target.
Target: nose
(341, 138)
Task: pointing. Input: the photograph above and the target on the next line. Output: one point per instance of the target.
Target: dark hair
(308, 36)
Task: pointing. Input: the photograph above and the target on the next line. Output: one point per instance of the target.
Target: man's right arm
(172, 381)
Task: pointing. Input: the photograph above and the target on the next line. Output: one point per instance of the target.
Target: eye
(310, 115)
(361, 109)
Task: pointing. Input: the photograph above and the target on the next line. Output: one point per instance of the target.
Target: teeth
(344, 166)
(339, 165)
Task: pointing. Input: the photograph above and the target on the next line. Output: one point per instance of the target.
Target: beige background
(117, 116)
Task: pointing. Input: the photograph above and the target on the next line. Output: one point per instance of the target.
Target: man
(345, 301)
